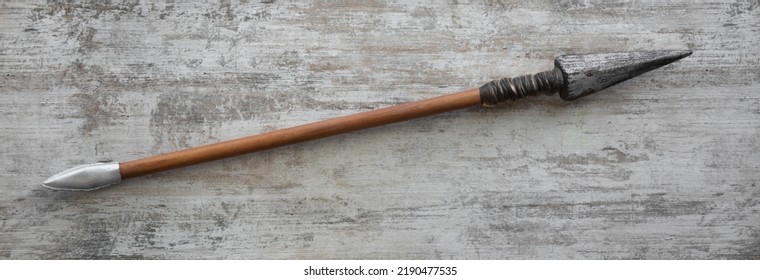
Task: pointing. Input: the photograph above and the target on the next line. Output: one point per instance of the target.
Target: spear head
(578, 75)
(588, 73)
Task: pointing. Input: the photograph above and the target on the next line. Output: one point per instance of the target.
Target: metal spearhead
(588, 73)
(578, 75)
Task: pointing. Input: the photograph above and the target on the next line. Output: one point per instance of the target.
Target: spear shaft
(302, 133)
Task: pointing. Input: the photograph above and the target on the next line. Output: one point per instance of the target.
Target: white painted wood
(665, 166)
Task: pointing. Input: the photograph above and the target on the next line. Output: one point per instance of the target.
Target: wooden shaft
(300, 133)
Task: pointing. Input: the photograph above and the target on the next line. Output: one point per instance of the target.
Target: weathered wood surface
(663, 166)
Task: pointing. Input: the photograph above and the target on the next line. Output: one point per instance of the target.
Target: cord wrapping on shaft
(499, 91)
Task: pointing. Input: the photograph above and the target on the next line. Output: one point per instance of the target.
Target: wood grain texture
(665, 166)
(298, 134)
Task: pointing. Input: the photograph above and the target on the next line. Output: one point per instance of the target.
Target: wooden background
(666, 166)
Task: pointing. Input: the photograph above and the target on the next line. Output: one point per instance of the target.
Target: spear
(573, 76)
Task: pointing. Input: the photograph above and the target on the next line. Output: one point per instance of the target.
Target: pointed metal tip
(85, 177)
(667, 57)
(585, 74)
(682, 54)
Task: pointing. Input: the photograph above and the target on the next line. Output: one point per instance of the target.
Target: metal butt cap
(85, 177)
